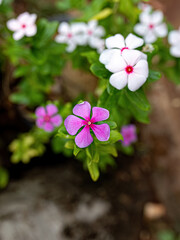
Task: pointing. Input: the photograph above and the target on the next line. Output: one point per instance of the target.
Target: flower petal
(156, 17)
(142, 68)
(145, 18)
(119, 80)
(64, 28)
(61, 38)
(18, 34)
(116, 62)
(102, 131)
(82, 110)
(99, 31)
(106, 55)
(51, 109)
(174, 37)
(40, 122)
(31, 30)
(73, 124)
(175, 51)
(116, 41)
(23, 17)
(150, 37)
(99, 114)
(40, 112)
(48, 127)
(131, 56)
(84, 138)
(13, 25)
(56, 120)
(140, 29)
(132, 41)
(135, 81)
(71, 46)
(161, 30)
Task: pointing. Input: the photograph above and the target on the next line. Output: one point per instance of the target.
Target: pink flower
(74, 123)
(129, 134)
(47, 117)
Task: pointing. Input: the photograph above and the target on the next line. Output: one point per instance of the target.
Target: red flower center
(23, 25)
(124, 49)
(151, 26)
(90, 32)
(47, 118)
(69, 35)
(129, 69)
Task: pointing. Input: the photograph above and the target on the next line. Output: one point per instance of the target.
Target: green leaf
(69, 144)
(76, 150)
(93, 169)
(91, 56)
(96, 157)
(115, 136)
(106, 12)
(100, 71)
(153, 76)
(4, 178)
(110, 149)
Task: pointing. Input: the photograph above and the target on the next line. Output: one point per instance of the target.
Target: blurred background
(54, 198)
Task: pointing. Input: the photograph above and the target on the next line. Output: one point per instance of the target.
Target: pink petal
(84, 138)
(40, 122)
(82, 110)
(102, 131)
(56, 120)
(40, 112)
(73, 124)
(51, 109)
(99, 114)
(48, 127)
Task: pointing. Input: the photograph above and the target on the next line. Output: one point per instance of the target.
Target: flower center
(23, 25)
(129, 69)
(90, 32)
(69, 35)
(89, 123)
(151, 26)
(47, 118)
(124, 49)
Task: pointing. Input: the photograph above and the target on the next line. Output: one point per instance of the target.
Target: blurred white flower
(148, 48)
(174, 41)
(23, 25)
(145, 7)
(151, 26)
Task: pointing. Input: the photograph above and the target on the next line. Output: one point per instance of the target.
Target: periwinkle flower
(47, 117)
(73, 124)
(174, 40)
(129, 134)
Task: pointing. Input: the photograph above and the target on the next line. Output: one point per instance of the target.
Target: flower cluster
(47, 117)
(174, 41)
(81, 34)
(151, 26)
(129, 134)
(73, 124)
(129, 66)
(23, 25)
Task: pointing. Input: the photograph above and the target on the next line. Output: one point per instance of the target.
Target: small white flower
(145, 7)
(24, 25)
(128, 69)
(174, 41)
(72, 35)
(151, 26)
(117, 44)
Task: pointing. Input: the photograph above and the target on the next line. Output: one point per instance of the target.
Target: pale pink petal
(99, 114)
(32, 19)
(116, 41)
(106, 55)
(40, 112)
(102, 132)
(40, 122)
(82, 110)
(23, 17)
(150, 37)
(30, 31)
(73, 124)
(116, 62)
(119, 80)
(84, 138)
(48, 127)
(135, 81)
(13, 25)
(51, 109)
(174, 37)
(156, 17)
(131, 56)
(18, 34)
(175, 50)
(161, 30)
(140, 29)
(56, 120)
(141, 68)
(132, 41)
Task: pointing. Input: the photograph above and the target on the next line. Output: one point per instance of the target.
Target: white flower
(71, 35)
(128, 69)
(24, 25)
(148, 48)
(151, 26)
(174, 40)
(145, 7)
(117, 44)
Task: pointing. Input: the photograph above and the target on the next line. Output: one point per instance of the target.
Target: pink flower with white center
(72, 35)
(73, 124)
(128, 69)
(47, 117)
(129, 134)
(23, 25)
(151, 26)
(174, 40)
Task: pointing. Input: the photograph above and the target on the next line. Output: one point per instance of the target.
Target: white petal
(132, 41)
(64, 28)
(99, 31)
(61, 38)
(145, 18)
(143, 56)
(78, 27)
(119, 80)
(116, 41)
(135, 81)
(71, 47)
(23, 17)
(161, 30)
(175, 51)
(106, 55)
(131, 56)
(31, 30)
(18, 34)
(32, 18)
(174, 37)
(157, 17)
(92, 24)
(141, 68)
(116, 62)
(140, 29)
(150, 37)
(80, 39)
(13, 25)
(144, 7)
